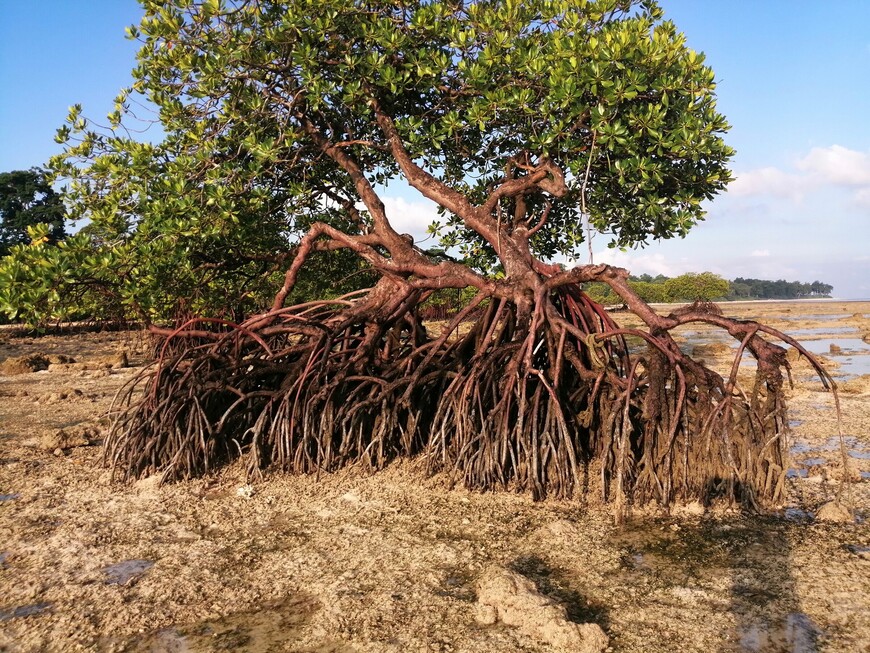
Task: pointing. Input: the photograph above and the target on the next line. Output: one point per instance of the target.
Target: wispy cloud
(760, 253)
(862, 198)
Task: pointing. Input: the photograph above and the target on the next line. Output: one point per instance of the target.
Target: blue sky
(793, 80)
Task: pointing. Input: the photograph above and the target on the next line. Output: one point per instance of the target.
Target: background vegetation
(707, 286)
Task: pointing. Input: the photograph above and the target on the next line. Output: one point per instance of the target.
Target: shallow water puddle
(820, 331)
(125, 571)
(273, 626)
(852, 366)
(863, 551)
(9, 497)
(850, 353)
(816, 316)
(854, 447)
(796, 634)
(798, 515)
(675, 553)
(826, 453)
(749, 556)
(24, 611)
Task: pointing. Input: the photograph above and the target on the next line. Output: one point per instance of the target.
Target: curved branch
(512, 188)
(362, 185)
(429, 186)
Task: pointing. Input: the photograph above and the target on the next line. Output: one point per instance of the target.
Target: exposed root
(549, 401)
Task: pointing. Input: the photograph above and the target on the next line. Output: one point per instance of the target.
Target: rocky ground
(399, 562)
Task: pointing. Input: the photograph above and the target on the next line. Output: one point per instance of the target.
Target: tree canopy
(26, 200)
(279, 115)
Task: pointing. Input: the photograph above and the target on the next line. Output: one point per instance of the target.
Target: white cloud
(767, 181)
(645, 263)
(837, 165)
(760, 252)
(820, 170)
(410, 216)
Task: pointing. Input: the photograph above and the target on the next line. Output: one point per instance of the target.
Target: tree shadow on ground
(764, 602)
(751, 553)
(552, 582)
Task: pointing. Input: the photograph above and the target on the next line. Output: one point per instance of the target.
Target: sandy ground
(394, 561)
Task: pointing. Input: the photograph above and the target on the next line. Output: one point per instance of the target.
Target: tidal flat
(393, 561)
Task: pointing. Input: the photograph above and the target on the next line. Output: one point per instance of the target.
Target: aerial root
(555, 403)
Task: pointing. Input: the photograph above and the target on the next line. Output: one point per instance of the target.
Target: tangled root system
(551, 400)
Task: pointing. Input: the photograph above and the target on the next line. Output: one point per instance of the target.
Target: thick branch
(429, 186)
(362, 245)
(616, 278)
(432, 275)
(363, 187)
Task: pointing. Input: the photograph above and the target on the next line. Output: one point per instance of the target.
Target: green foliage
(602, 293)
(650, 292)
(26, 200)
(705, 286)
(203, 220)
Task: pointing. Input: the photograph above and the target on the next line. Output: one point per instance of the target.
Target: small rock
(149, 484)
(60, 359)
(81, 435)
(24, 364)
(691, 509)
(245, 491)
(71, 394)
(834, 512)
(516, 602)
(561, 528)
(835, 349)
(710, 349)
(351, 497)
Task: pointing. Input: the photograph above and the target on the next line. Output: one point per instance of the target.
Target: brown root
(550, 401)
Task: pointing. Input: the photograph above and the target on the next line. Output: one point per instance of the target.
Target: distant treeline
(764, 289)
(710, 287)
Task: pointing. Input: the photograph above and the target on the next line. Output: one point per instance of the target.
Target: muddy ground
(393, 561)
